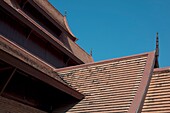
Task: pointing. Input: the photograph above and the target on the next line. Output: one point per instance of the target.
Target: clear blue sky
(117, 28)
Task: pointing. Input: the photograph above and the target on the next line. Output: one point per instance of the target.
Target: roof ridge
(138, 101)
(162, 69)
(100, 62)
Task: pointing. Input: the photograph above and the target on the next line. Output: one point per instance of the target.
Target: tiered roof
(112, 85)
(69, 47)
(117, 85)
(18, 57)
(54, 14)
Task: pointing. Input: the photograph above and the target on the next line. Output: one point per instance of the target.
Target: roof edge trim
(100, 62)
(68, 28)
(18, 57)
(161, 69)
(37, 2)
(37, 28)
(62, 21)
(139, 98)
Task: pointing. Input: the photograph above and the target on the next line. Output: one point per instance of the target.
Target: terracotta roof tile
(108, 86)
(8, 106)
(158, 95)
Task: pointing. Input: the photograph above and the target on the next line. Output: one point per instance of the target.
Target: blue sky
(117, 28)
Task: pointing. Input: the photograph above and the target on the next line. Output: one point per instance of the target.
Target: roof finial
(65, 13)
(157, 45)
(157, 52)
(91, 52)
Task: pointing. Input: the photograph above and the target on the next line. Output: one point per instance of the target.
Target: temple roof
(128, 84)
(23, 60)
(158, 95)
(55, 14)
(72, 49)
(115, 85)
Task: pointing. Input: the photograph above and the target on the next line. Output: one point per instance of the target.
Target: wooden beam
(12, 74)
(22, 7)
(21, 16)
(39, 75)
(5, 68)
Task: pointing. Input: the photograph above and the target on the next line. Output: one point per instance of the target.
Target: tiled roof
(10, 51)
(54, 13)
(74, 51)
(59, 18)
(158, 95)
(109, 86)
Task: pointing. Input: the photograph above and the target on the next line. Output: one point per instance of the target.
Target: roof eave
(19, 14)
(62, 24)
(17, 57)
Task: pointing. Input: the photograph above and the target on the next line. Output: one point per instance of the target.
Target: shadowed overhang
(21, 16)
(21, 59)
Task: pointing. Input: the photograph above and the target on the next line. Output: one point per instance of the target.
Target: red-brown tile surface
(158, 95)
(108, 86)
(74, 49)
(10, 106)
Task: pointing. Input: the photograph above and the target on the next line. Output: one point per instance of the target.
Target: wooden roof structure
(70, 48)
(21, 59)
(43, 70)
